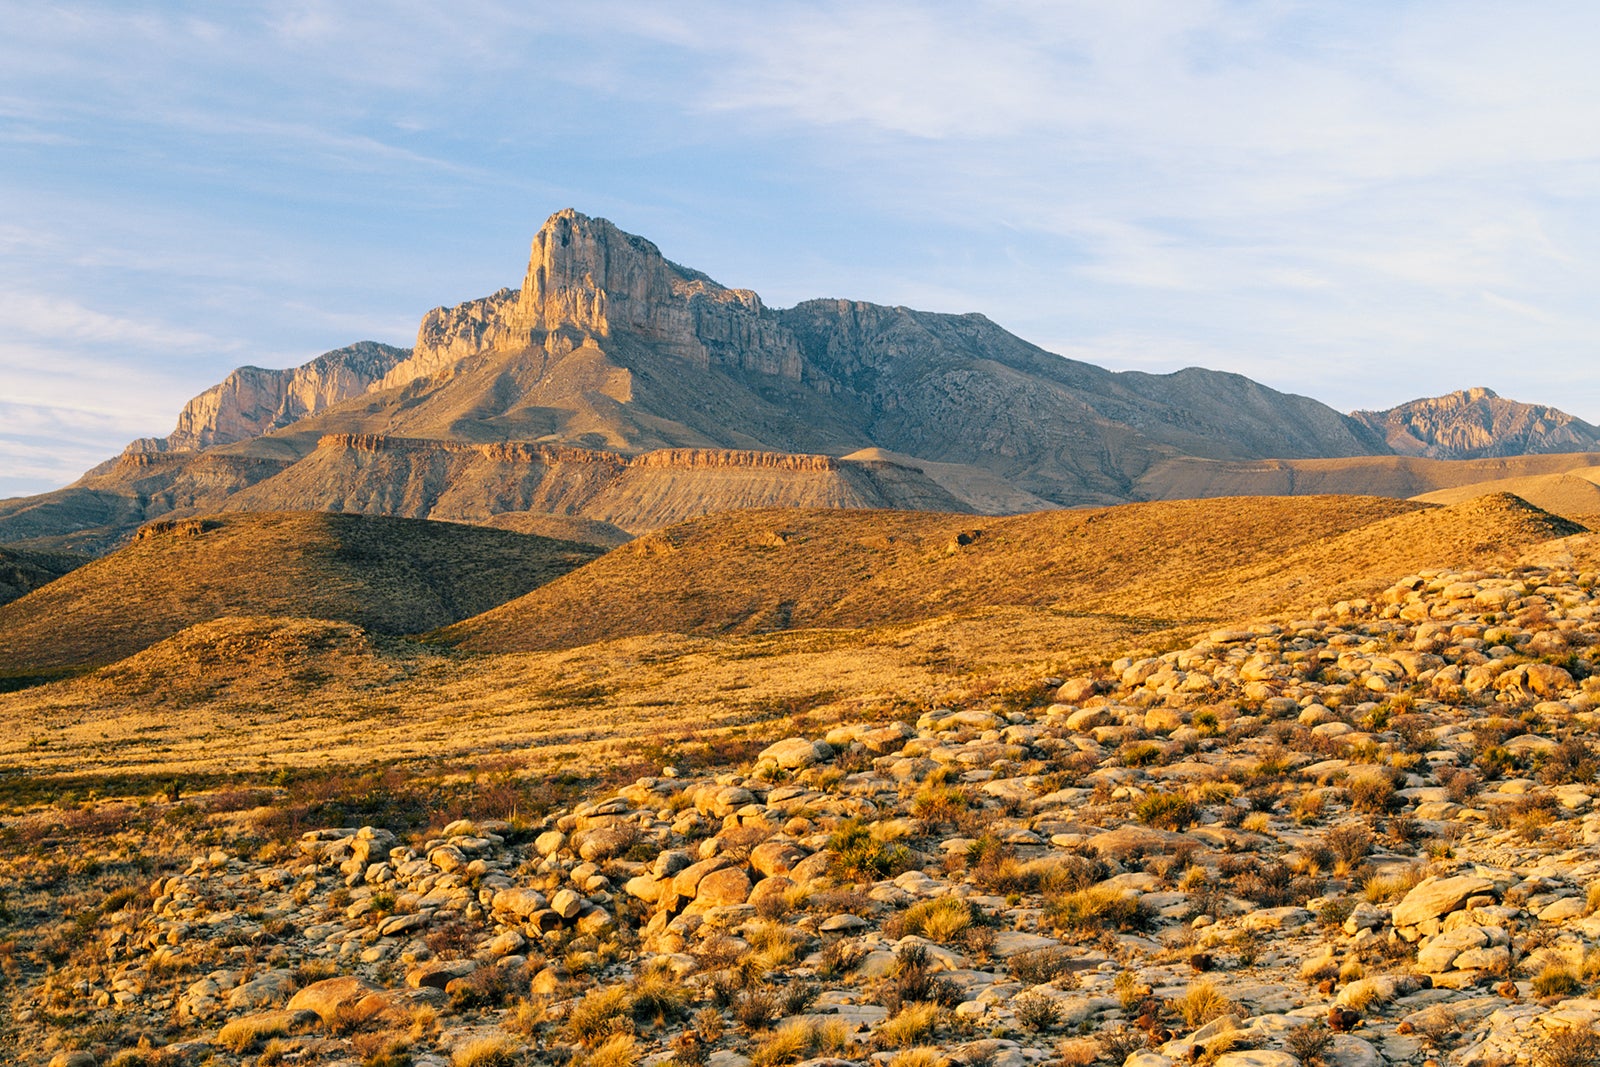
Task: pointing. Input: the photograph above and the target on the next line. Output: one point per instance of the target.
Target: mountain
(617, 387)
(1477, 424)
(387, 575)
(252, 401)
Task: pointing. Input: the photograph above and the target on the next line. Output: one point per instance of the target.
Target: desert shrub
(840, 958)
(1140, 754)
(242, 1035)
(486, 1052)
(756, 1007)
(911, 1025)
(912, 982)
(1461, 784)
(618, 1050)
(1097, 908)
(1350, 844)
(1308, 1042)
(382, 1050)
(1556, 981)
(774, 943)
(859, 856)
(1167, 811)
(1119, 1042)
(924, 1056)
(1201, 1003)
(600, 1014)
(1273, 885)
(708, 1024)
(1036, 1011)
(940, 803)
(1039, 965)
(1072, 872)
(1372, 793)
(656, 997)
(1570, 761)
(800, 1040)
(1570, 1046)
(938, 920)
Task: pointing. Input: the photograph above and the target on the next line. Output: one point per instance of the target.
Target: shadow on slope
(387, 575)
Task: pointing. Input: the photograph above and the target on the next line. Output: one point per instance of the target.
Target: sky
(1363, 202)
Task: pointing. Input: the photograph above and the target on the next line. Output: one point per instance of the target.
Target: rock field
(1366, 837)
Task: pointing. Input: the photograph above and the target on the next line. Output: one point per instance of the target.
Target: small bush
(242, 1035)
(1166, 811)
(1098, 908)
(938, 920)
(600, 1014)
(1308, 1042)
(912, 1025)
(1039, 965)
(1570, 1046)
(1201, 1003)
(1036, 1011)
(1556, 981)
(618, 1050)
(859, 856)
(486, 1052)
(1373, 793)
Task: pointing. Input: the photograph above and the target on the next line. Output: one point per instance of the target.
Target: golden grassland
(242, 698)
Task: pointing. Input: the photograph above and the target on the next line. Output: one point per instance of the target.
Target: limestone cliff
(1476, 424)
(253, 401)
(588, 279)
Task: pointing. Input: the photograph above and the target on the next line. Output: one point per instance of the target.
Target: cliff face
(253, 401)
(1478, 424)
(587, 279)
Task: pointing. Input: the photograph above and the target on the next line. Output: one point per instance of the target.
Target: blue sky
(1362, 202)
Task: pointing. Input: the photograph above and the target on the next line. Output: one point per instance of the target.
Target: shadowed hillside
(22, 571)
(389, 575)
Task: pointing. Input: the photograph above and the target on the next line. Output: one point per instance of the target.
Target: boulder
(1433, 898)
(566, 903)
(329, 995)
(776, 857)
(797, 753)
(436, 974)
(729, 885)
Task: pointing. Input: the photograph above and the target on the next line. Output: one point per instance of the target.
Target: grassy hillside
(388, 575)
(1057, 600)
(760, 571)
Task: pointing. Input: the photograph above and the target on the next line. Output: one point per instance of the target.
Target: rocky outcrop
(587, 278)
(1477, 423)
(253, 401)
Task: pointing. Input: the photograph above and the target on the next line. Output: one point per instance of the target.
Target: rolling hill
(772, 570)
(387, 575)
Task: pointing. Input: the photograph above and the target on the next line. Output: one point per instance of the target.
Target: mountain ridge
(613, 349)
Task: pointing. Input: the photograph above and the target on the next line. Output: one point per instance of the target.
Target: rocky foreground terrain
(1360, 838)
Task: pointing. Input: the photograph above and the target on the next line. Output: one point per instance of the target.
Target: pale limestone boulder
(1435, 897)
(797, 753)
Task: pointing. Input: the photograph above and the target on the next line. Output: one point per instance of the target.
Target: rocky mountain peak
(585, 272)
(1478, 423)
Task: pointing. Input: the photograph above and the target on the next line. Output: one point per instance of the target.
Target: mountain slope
(762, 571)
(1476, 424)
(388, 575)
